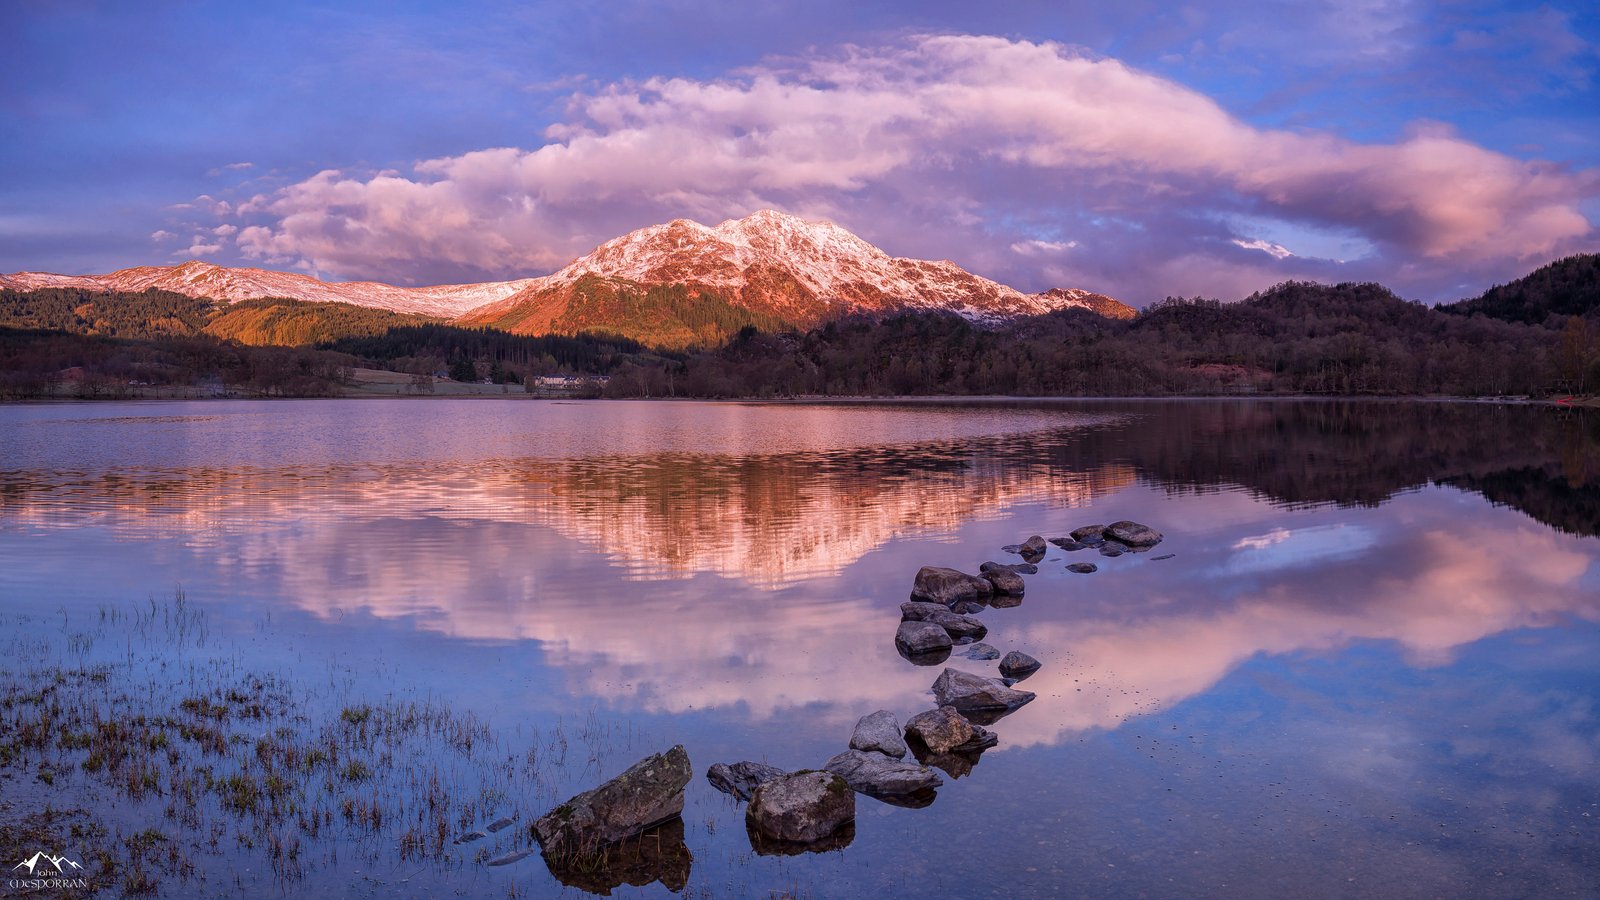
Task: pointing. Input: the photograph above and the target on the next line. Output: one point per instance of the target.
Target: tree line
(1297, 337)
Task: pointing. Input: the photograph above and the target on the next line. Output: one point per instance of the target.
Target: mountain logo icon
(40, 859)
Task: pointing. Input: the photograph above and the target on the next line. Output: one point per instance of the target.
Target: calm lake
(1370, 665)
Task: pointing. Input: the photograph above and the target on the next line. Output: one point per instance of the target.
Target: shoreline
(821, 399)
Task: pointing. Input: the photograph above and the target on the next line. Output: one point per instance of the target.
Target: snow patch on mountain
(227, 285)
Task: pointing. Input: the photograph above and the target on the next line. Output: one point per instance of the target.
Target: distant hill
(1566, 287)
(227, 285)
(153, 313)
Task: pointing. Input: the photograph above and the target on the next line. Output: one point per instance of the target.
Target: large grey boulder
(741, 779)
(879, 776)
(649, 793)
(801, 808)
(962, 629)
(945, 730)
(1018, 665)
(916, 638)
(970, 693)
(982, 651)
(1133, 534)
(937, 584)
(879, 732)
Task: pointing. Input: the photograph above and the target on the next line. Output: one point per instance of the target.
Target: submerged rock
(1133, 534)
(937, 584)
(879, 776)
(1011, 548)
(1019, 568)
(1112, 548)
(801, 808)
(506, 859)
(945, 730)
(1083, 568)
(1090, 535)
(1163, 556)
(471, 836)
(982, 651)
(1068, 544)
(741, 779)
(1018, 665)
(970, 693)
(962, 629)
(501, 824)
(649, 793)
(878, 732)
(956, 765)
(1006, 601)
(1008, 584)
(931, 658)
(968, 607)
(921, 638)
(770, 846)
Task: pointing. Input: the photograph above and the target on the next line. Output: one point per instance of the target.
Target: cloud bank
(1030, 162)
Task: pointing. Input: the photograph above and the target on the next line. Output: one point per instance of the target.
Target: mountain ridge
(232, 284)
(778, 267)
(678, 283)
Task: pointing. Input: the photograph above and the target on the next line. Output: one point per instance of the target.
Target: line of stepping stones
(811, 810)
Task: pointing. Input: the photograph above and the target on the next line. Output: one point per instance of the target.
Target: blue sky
(1140, 149)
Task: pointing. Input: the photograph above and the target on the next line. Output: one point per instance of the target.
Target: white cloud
(1036, 247)
(1277, 251)
(161, 235)
(892, 141)
(200, 246)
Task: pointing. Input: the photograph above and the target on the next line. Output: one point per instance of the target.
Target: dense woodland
(1537, 336)
(1355, 339)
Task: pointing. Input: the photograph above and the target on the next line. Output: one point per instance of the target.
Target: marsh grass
(202, 765)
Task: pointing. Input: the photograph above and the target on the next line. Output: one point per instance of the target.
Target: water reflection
(737, 571)
(749, 569)
(657, 855)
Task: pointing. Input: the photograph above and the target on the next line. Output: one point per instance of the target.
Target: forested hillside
(1566, 287)
(1354, 339)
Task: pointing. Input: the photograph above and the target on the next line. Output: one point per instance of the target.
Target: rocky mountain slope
(767, 269)
(227, 285)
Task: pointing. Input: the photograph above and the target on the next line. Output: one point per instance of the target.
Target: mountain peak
(774, 266)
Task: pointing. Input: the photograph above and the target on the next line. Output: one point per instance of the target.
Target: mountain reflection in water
(759, 564)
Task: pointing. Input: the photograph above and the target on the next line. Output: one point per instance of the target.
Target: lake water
(1369, 667)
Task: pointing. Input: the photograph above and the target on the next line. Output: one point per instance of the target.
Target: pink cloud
(895, 141)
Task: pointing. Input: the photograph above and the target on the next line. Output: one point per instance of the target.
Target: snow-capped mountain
(769, 269)
(226, 285)
(798, 271)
